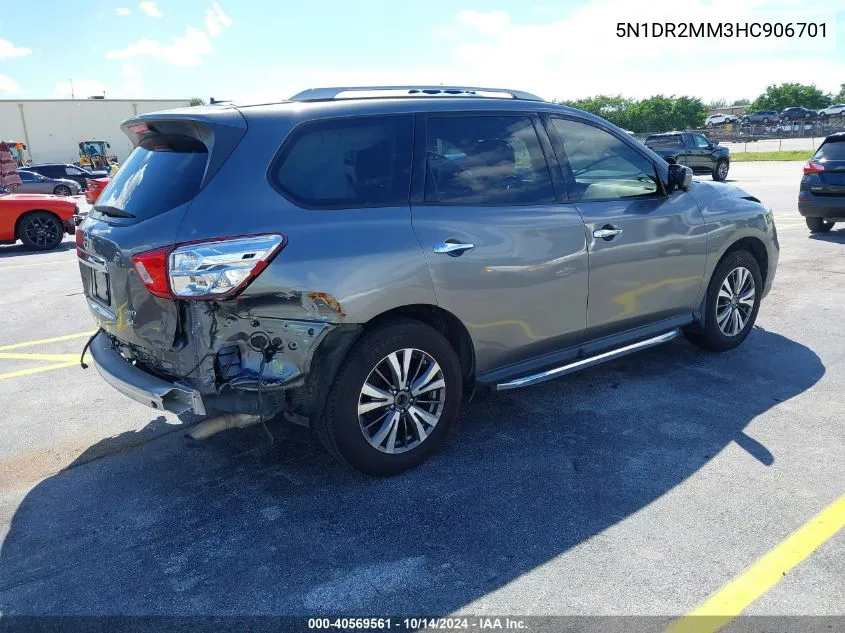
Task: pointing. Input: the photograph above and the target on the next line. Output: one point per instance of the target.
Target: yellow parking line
(59, 358)
(63, 261)
(43, 341)
(727, 603)
(36, 370)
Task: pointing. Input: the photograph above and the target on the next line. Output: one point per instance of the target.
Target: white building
(53, 128)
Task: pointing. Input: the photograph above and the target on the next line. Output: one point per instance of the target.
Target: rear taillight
(813, 167)
(152, 269)
(214, 269)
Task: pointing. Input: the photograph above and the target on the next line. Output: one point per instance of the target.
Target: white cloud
(9, 85)
(151, 9)
(123, 11)
(132, 81)
(183, 50)
(489, 23)
(581, 55)
(7, 50)
(216, 20)
(82, 89)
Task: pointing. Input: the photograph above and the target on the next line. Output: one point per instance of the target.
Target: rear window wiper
(112, 212)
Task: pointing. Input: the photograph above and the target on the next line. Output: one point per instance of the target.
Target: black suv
(67, 172)
(694, 150)
(797, 113)
(821, 199)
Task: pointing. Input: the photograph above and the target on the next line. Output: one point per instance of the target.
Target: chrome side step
(586, 362)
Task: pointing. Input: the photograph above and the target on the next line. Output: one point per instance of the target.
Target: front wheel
(720, 172)
(40, 231)
(731, 305)
(393, 400)
(819, 225)
(62, 190)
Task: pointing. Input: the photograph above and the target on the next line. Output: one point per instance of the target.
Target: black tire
(62, 190)
(711, 337)
(720, 172)
(341, 430)
(819, 225)
(40, 230)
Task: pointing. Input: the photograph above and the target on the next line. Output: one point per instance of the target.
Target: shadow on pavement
(18, 249)
(232, 526)
(836, 236)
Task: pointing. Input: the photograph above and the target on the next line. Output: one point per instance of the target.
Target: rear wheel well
(28, 213)
(441, 320)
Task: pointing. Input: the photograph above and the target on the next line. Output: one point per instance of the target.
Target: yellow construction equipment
(94, 154)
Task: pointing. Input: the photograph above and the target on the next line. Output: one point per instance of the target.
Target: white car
(834, 110)
(719, 119)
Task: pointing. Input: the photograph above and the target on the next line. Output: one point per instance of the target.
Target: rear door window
(485, 160)
(348, 163)
(160, 174)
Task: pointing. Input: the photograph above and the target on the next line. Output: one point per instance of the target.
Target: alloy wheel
(401, 401)
(43, 231)
(62, 190)
(723, 170)
(735, 301)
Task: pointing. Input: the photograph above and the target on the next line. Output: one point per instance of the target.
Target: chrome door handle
(606, 232)
(452, 248)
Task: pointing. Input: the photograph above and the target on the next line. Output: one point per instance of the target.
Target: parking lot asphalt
(639, 487)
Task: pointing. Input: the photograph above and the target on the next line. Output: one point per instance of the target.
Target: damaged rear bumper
(140, 385)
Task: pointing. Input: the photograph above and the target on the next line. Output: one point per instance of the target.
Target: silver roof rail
(386, 92)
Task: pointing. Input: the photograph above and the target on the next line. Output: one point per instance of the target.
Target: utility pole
(72, 96)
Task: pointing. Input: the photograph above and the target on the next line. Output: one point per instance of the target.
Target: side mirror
(714, 143)
(680, 177)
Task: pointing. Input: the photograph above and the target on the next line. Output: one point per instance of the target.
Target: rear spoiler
(220, 129)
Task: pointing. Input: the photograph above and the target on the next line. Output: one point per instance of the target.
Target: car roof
(675, 133)
(835, 138)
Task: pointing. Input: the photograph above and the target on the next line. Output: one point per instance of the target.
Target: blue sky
(250, 50)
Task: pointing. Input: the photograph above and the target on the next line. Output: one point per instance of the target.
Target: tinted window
(832, 151)
(73, 171)
(664, 142)
(351, 162)
(700, 141)
(26, 177)
(160, 174)
(603, 167)
(485, 160)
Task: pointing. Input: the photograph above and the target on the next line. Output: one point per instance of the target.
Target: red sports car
(40, 221)
(94, 187)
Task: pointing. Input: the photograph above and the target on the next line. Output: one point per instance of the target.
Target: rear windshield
(664, 141)
(159, 175)
(832, 151)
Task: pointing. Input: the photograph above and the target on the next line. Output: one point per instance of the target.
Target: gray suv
(359, 259)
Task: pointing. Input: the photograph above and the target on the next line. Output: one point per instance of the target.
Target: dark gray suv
(359, 259)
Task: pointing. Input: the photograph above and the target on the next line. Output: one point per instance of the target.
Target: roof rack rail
(387, 92)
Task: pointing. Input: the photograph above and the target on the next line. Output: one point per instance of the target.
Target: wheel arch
(749, 243)
(306, 402)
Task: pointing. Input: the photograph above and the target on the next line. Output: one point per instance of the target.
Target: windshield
(832, 151)
(159, 175)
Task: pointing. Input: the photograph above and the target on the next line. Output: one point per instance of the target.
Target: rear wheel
(720, 172)
(393, 400)
(731, 305)
(62, 190)
(819, 225)
(40, 231)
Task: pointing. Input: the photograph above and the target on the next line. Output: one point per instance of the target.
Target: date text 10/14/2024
(413, 624)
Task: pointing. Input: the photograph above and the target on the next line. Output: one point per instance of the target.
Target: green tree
(614, 109)
(790, 94)
(196, 101)
(839, 98)
(717, 104)
(741, 102)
